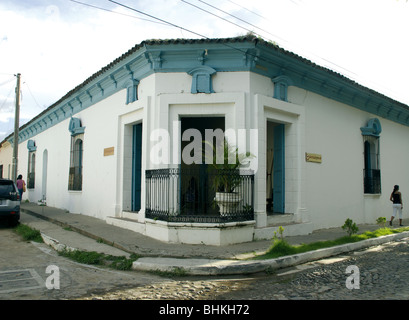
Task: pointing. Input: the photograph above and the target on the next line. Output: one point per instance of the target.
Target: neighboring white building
(326, 148)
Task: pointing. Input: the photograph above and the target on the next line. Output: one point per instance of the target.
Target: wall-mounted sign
(313, 157)
(109, 151)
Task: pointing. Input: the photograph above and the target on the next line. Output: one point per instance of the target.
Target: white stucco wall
(325, 194)
(6, 156)
(334, 188)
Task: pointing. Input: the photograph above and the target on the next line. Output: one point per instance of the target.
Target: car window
(6, 188)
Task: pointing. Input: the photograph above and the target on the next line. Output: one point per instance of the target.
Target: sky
(57, 44)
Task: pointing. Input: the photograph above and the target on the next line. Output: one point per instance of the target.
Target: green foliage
(227, 179)
(350, 227)
(381, 221)
(28, 233)
(175, 272)
(281, 248)
(247, 208)
(101, 259)
(281, 232)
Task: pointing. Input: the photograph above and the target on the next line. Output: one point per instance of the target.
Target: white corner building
(119, 146)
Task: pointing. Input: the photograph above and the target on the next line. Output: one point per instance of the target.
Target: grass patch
(28, 233)
(100, 259)
(175, 272)
(281, 248)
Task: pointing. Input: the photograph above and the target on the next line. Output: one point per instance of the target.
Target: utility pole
(16, 128)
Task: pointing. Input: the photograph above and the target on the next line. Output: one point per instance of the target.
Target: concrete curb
(73, 228)
(55, 244)
(206, 266)
(232, 267)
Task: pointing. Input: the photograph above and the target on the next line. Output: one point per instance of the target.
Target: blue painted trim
(136, 167)
(373, 128)
(281, 84)
(279, 169)
(31, 146)
(131, 90)
(202, 79)
(221, 55)
(75, 127)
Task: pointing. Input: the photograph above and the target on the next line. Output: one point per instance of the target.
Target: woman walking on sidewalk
(21, 186)
(396, 198)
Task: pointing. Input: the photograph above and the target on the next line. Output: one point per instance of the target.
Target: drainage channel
(17, 280)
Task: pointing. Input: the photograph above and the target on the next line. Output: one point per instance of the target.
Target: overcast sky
(57, 44)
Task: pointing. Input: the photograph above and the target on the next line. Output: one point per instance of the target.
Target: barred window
(372, 169)
(76, 169)
(372, 172)
(31, 170)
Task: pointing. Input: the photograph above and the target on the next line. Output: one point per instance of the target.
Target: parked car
(9, 201)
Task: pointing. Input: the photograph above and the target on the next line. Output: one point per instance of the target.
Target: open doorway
(196, 195)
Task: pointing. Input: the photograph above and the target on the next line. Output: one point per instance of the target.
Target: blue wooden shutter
(279, 170)
(136, 167)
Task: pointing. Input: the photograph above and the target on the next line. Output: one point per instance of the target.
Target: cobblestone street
(382, 275)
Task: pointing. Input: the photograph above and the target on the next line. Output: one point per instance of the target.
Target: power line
(159, 19)
(191, 4)
(203, 36)
(323, 59)
(107, 10)
(182, 28)
(247, 9)
(193, 32)
(29, 90)
(233, 16)
(5, 100)
(7, 81)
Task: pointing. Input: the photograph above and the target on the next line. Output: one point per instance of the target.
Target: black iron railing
(372, 181)
(31, 180)
(189, 195)
(75, 179)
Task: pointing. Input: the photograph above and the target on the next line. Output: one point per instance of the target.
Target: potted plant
(226, 176)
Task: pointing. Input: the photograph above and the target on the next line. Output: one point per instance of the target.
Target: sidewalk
(57, 226)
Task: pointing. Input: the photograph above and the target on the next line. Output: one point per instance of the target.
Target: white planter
(227, 202)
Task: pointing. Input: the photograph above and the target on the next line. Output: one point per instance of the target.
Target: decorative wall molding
(202, 79)
(31, 146)
(373, 128)
(75, 127)
(215, 55)
(281, 84)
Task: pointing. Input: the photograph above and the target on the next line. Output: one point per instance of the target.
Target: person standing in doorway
(396, 198)
(21, 185)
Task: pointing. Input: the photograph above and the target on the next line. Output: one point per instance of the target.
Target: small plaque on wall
(313, 157)
(109, 151)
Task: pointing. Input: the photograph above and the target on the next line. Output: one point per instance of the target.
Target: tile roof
(240, 39)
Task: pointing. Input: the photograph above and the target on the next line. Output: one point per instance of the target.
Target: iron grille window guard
(187, 195)
(75, 179)
(31, 180)
(372, 181)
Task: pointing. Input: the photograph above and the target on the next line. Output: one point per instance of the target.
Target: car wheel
(13, 221)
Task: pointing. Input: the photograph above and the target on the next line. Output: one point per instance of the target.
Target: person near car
(21, 185)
